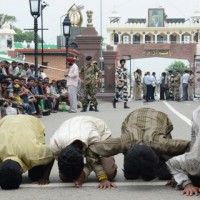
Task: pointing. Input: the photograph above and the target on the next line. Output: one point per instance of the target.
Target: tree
(6, 18)
(28, 36)
(20, 36)
(177, 65)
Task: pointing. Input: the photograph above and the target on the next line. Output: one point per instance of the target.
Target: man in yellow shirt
(22, 148)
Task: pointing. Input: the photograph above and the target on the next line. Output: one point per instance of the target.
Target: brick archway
(173, 50)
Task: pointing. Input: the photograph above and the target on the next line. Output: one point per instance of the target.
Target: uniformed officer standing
(121, 76)
(88, 76)
(176, 85)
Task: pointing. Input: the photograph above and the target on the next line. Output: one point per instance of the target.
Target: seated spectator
(14, 69)
(41, 73)
(22, 72)
(26, 108)
(55, 95)
(32, 87)
(44, 101)
(27, 96)
(4, 90)
(49, 99)
(31, 71)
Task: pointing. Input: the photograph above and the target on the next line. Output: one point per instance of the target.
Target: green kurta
(142, 126)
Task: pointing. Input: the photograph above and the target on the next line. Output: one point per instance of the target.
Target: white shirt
(73, 75)
(185, 78)
(87, 129)
(188, 163)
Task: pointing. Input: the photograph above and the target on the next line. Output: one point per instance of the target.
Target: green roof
(19, 45)
(3, 53)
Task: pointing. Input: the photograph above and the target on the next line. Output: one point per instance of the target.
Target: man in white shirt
(150, 81)
(71, 141)
(185, 80)
(14, 69)
(72, 74)
(186, 168)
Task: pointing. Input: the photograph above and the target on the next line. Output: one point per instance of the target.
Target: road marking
(132, 183)
(184, 118)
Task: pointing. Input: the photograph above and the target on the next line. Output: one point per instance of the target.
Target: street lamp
(66, 32)
(35, 12)
(43, 5)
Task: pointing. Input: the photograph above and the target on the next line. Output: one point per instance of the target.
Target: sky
(52, 16)
(126, 8)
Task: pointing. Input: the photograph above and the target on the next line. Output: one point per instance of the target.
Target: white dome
(6, 25)
(196, 14)
(6, 29)
(115, 14)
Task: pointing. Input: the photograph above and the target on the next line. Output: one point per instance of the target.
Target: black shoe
(114, 103)
(91, 108)
(125, 105)
(84, 109)
(96, 110)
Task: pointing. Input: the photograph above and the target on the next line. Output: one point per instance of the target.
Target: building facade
(156, 35)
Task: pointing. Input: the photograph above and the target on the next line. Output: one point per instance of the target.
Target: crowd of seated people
(21, 92)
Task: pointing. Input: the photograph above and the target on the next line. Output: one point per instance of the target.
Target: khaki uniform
(191, 87)
(90, 85)
(137, 87)
(175, 86)
(142, 126)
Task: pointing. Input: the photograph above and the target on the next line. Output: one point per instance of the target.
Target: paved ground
(179, 112)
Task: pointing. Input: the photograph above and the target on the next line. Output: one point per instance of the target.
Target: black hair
(70, 162)
(10, 175)
(4, 81)
(88, 58)
(22, 79)
(122, 60)
(16, 78)
(11, 76)
(164, 172)
(30, 78)
(141, 161)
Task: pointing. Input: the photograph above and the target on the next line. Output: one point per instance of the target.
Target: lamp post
(43, 5)
(35, 12)
(66, 32)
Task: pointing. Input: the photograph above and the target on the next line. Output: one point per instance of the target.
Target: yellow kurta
(22, 140)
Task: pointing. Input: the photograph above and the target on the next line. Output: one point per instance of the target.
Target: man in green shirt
(143, 131)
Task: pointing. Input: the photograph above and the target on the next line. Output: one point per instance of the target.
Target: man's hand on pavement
(191, 190)
(78, 183)
(105, 183)
(42, 181)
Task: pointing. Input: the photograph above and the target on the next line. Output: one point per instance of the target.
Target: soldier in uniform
(191, 86)
(90, 83)
(121, 84)
(175, 84)
(137, 85)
